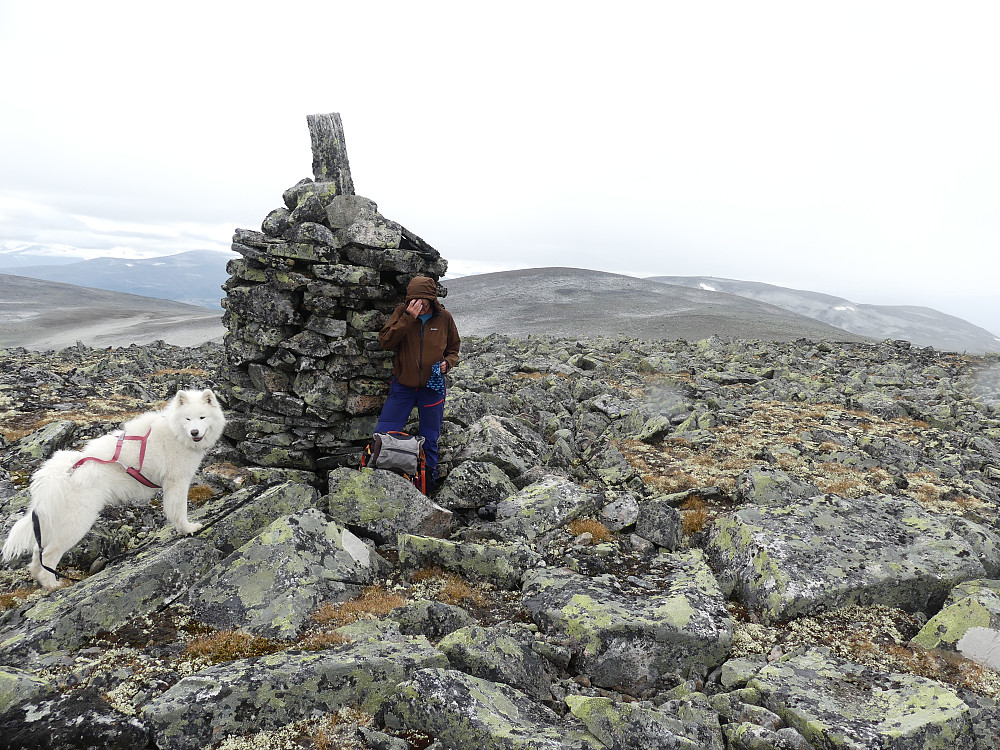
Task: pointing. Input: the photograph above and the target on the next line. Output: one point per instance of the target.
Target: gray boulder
(501, 564)
(837, 703)
(384, 504)
(769, 485)
(17, 685)
(508, 444)
(660, 522)
(636, 640)
(501, 655)
(621, 512)
(249, 695)
(475, 484)
(463, 711)
(985, 543)
(642, 726)
(431, 619)
(968, 623)
(829, 551)
(31, 450)
(274, 582)
(542, 507)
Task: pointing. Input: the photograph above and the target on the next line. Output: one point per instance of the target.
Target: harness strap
(38, 540)
(135, 473)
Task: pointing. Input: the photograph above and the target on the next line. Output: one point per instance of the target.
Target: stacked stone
(304, 305)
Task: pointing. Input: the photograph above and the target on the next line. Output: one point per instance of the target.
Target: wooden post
(330, 152)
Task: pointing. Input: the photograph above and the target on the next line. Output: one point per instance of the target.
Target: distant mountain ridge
(38, 314)
(192, 277)
(922, 326)
(556, 301)
(581, 303)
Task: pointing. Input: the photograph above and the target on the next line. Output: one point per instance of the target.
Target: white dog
(68, 492)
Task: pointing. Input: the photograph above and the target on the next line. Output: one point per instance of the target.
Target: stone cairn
(306, 377)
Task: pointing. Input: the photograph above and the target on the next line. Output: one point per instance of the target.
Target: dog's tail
(20, 540)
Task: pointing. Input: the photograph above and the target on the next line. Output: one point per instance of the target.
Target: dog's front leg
(175, 496)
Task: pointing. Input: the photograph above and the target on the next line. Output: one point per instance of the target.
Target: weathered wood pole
(330, 152)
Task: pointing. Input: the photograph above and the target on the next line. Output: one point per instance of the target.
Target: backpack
(399, 452)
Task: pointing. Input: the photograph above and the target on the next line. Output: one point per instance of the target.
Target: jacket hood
(421, 287)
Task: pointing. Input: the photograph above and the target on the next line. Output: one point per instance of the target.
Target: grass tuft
(229, 645)
(596, 529)
(694, 516)
(373, 603)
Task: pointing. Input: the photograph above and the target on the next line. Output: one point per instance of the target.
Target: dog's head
(197, 416)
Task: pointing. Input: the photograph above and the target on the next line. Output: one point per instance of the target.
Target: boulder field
(632, 544)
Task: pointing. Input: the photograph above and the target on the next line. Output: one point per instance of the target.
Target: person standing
(426, 344)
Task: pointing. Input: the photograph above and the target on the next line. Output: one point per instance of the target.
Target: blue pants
(430, 411)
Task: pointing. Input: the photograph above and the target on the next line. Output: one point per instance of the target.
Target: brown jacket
(418, 346)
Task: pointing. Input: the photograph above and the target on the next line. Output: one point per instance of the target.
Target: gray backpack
(398, 452)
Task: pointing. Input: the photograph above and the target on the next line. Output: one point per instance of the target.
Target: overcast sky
(847, 148)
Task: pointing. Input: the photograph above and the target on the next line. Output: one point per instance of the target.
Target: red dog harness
(135, 473)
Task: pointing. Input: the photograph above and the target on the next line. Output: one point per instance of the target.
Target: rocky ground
(634, 545)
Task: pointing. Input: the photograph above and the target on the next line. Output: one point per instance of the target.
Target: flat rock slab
(828, 552)
(249, 695)
(837, 703)
(235, 519)
(636, 640)
(469, 712)
(129, 588)
(271, 584)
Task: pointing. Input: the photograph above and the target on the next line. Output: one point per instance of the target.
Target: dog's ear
(209, 397)
(181, 398)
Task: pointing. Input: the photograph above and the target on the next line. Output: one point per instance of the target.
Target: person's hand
(416, 307)
(444, 366)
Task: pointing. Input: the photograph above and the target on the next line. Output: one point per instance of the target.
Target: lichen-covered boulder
(126, 589)
(637, 640)
(31, 450)
(384, 504)
(968, 623)
(235, 519)
(463, 711)
(642, 726)
(621, 511)
(81, 719)
(510, 445)
(501, 655)
(17, 685)
(542, 507)
(501, 564)
(272, 584)
(475, 484)
(769, 485)
(827, 552)
(745, 735)
(660, 522)
(271, 691)
(431, 619)
(837, 703)
(984, 542)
